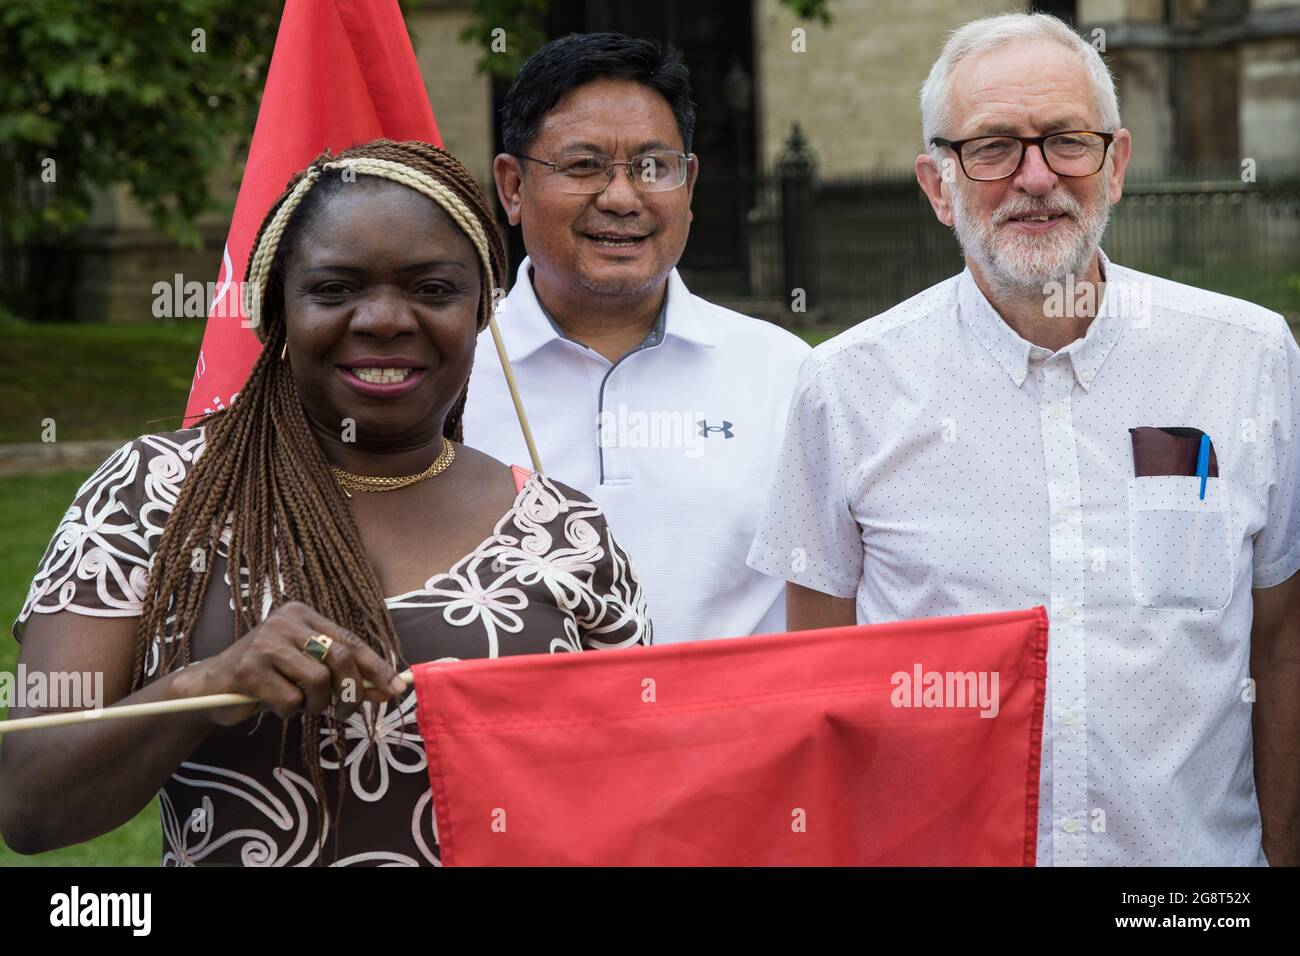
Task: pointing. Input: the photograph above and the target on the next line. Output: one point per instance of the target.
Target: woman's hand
(269, 664)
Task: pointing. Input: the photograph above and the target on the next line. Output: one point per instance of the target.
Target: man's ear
(510, 180)
(692, 174)
(931, 176)
(1120, 148)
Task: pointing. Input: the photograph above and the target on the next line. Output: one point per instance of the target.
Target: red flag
(343, 72)
(846, 746)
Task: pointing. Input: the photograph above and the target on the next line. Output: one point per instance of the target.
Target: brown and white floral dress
(550, 578)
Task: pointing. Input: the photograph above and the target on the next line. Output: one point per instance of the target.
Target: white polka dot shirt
(936, 463)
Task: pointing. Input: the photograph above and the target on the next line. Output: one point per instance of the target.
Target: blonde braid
(421, 182)
(259, 264)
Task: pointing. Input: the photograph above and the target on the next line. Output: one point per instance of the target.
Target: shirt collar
(1014, 353)
(527, 326)
(684, 320)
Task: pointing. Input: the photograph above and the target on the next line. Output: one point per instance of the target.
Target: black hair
(579, 58)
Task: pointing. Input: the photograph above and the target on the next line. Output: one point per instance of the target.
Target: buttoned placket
(1067, 724)
(612, 466)
(612, 459)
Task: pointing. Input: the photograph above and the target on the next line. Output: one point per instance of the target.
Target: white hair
(985, 34)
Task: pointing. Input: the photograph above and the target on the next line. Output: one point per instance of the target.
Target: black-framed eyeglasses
(1071, 152)
(586, 174)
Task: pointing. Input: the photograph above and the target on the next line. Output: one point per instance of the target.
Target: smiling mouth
(614, 241)
(1038, 217)
(381, 376)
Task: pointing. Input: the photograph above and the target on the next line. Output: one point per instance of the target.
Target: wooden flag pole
(178, 706)
(514, 394)
(211, 701)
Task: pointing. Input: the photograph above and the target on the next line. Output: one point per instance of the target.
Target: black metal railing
(852, 247)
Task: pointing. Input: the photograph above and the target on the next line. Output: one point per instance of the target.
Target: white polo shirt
(677, 441)
(936, 463)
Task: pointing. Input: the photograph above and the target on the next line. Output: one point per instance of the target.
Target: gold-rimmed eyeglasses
(586, 174)
(1071, 152)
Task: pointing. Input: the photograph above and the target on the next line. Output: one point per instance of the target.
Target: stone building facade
(1200, 82)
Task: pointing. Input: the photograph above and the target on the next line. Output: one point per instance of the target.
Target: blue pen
(1203, 463)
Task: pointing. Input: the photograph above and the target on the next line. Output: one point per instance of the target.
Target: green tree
(160, 96)
(157, 96)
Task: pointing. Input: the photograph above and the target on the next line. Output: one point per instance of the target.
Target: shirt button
(1069, 718)
(1085, 376)
(1053, 411)
(1069, 826)
(1066, 612)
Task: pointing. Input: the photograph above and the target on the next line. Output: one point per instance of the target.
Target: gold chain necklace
(351, 482)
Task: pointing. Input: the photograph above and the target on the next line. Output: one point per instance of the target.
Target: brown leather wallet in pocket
(1169, 451)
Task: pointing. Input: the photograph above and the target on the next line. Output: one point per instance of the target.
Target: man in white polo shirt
(1126, 455)
(664, 408)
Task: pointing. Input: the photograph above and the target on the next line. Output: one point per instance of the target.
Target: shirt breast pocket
(1180, 547)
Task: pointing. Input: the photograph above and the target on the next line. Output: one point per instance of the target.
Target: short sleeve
(97, 563)
(618, 616)
(1277, 545)
(808, 534)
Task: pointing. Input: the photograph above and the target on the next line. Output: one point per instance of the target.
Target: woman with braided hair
(304, 545)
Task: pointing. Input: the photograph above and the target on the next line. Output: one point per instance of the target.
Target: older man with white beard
(1051, 428)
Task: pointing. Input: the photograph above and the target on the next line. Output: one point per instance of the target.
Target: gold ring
(317, 647)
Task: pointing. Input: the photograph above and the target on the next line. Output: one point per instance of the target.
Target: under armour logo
(706, 428)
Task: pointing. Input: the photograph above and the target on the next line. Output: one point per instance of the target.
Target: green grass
(817, 336)
(109, 381)
(1273, 287)
(95, 381)
(30, 509)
